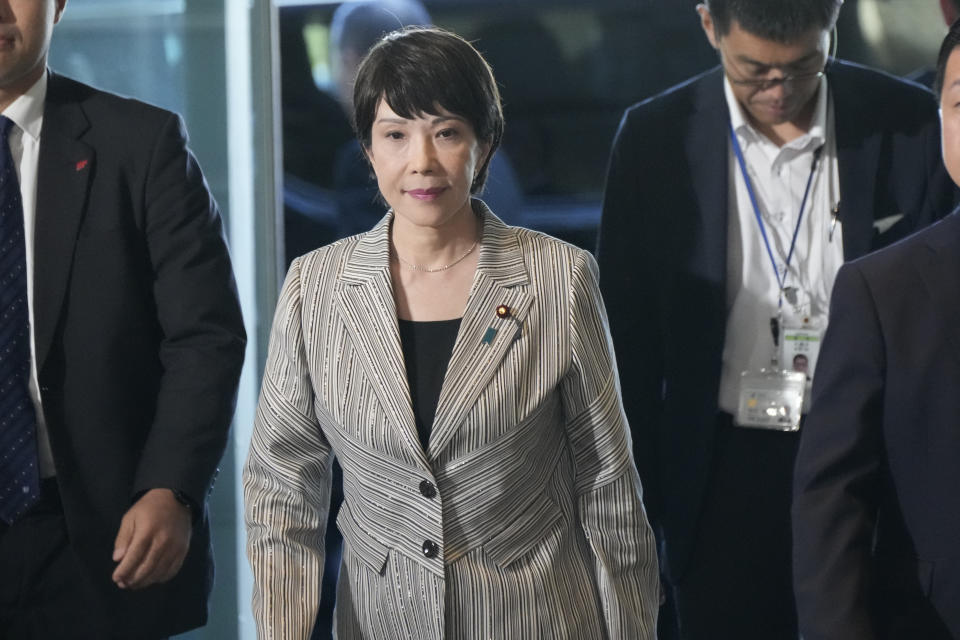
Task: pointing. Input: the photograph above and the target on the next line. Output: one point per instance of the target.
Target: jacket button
(430, 549)
(427, 490)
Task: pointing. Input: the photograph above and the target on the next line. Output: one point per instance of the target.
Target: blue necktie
(19, 477)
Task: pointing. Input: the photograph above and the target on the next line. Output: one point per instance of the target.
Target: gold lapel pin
(504, 313)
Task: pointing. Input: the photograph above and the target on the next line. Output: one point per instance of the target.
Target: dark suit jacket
(662, 255)
(138, 332)
(876, 517)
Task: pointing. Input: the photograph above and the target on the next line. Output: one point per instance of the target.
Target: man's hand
(153, 540)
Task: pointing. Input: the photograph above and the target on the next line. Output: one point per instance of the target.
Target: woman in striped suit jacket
(462, 372)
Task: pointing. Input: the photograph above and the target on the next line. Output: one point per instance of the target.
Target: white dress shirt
(779, 177)
(26, 112)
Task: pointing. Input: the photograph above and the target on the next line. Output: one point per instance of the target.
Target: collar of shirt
(748, 135)
(27, 110)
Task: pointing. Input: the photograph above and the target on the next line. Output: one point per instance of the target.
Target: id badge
(799, 349)
(771, 399)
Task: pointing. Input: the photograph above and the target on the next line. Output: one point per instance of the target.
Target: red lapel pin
(81, 164)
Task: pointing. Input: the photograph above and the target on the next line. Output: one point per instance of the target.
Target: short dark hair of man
(777, 20)
(950, 42)
(418, 70)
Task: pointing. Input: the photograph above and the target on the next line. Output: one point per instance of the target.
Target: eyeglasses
(763, 84)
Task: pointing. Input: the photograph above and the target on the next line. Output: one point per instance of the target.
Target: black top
(427, 347)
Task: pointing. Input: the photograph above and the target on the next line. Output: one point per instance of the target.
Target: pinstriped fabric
(290, 513)
(538, 522)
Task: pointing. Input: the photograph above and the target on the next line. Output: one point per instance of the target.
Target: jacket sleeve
(838, 470)
(286, 482)
(202, 336)
(608, 487)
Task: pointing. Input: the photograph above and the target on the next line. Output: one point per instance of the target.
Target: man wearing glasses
(732, 200)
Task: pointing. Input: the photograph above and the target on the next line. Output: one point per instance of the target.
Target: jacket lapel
(707, 149)
(368, 311)
(858, 156)
(485, 337)
(64, 171)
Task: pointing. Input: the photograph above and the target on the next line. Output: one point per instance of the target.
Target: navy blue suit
(876, 516)
(663, 266)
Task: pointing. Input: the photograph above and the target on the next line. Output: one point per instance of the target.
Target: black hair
(420, 70)
(950, 42)
(778, 20)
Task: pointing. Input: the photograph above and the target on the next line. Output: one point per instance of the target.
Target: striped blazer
(523, 519)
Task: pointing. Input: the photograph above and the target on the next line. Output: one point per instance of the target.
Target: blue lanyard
(781, 278)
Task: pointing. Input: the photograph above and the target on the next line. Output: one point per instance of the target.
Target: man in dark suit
(875, 517)
(122, 346)
(721, 235)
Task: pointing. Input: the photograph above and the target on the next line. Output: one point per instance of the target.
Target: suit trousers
(738, 583)
(44, 592)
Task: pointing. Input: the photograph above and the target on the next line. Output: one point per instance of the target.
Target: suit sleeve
(838, 469)
(629, 290)
(607, 484)
(286, 483)
(202, 345)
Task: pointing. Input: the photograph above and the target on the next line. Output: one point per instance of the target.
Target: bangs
(419, 94)
(425, 82)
